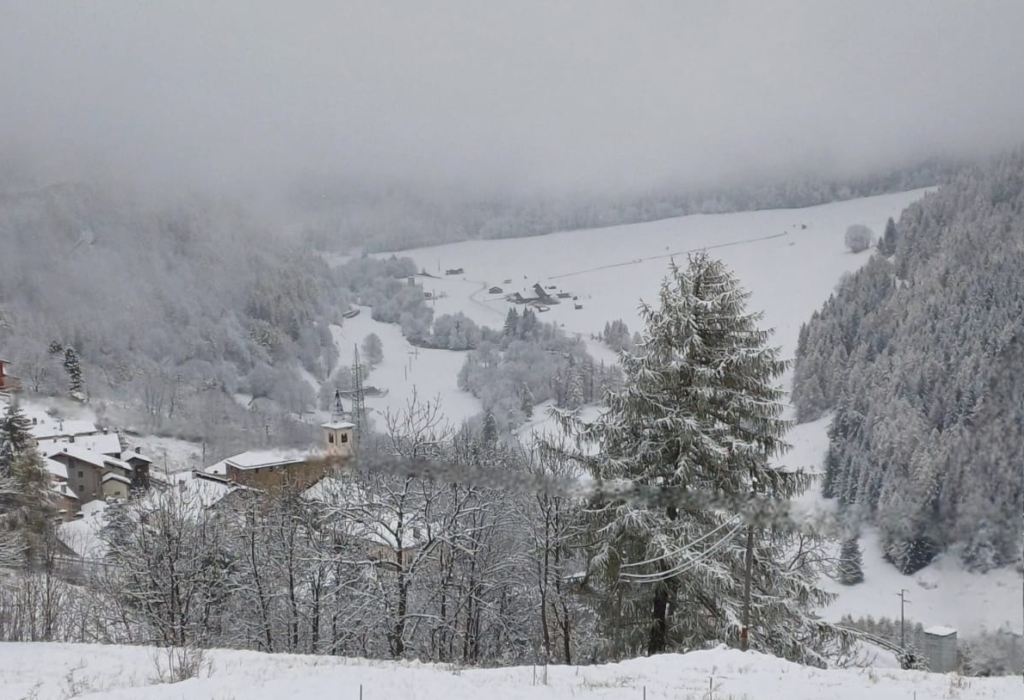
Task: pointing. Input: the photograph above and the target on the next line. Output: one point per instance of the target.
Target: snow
(940, 631)
(338, 425)
(111, 476)
(942, 593)
(430, 373)
(129, 673)
(789, 270)
(83, 535)
(57, 469)
(168, 453)
(254, 459)
(49, 427)
(103, 443)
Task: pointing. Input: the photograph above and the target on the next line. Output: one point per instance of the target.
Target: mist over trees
(918, 357)
(349, 217)
(172, 308)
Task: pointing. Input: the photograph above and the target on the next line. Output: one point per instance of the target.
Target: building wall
(299, 475)
(68, 505)
(339, 442)
(84, 478)
(115, 489)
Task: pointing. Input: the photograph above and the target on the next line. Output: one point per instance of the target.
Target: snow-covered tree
(15, 435)
(887, 241)
(26, 503)
(73, 367)
(858, 238)
(851, 564)
(699, 408)
(373, 349)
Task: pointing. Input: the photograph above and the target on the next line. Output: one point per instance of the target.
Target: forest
(918, 358)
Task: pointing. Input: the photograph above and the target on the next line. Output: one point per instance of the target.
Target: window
(330, 438)
(81, 474)
(344, 437)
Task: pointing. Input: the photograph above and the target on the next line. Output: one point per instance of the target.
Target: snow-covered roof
(334, 491)
(120, 464)
(81, 454)
(128, 455)
(64, 490)
(57, 427)
(57, 469)
(83, 535)
(207, 492)
(338, 425)
(257, 459)
(940, 631)
(111, 476)
(104, 443)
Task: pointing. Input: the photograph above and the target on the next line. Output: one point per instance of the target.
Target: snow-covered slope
(52, 671)
(940, 594)
(790, 259)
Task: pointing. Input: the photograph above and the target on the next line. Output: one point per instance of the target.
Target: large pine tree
(699, 408)
(26, 504)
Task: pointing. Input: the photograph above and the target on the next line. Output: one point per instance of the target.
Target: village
(92, 466)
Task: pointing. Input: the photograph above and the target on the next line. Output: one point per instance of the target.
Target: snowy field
(58, 671)
(790, 259)
(431, 374)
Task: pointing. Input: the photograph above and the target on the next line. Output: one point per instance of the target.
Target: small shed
(940, 649)
(495, 290)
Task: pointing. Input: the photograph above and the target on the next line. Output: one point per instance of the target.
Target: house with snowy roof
(299, 469)
(90, 475)
(368, 524)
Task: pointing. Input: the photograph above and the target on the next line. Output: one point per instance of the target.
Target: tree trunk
(658, 640)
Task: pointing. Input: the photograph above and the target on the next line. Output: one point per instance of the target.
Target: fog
(523, 96)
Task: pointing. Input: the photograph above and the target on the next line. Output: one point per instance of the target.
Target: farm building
(495, 290)
(8, 383)
(940, 649)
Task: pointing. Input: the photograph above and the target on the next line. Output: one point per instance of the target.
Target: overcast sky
(510, 94)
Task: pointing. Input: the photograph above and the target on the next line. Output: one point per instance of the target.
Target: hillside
(115, 673)
(919, 355)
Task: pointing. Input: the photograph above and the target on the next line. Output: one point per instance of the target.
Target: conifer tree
(15, 436)
(74, 370)
(26, 505)
(511, 323)
(698, 408)
(526, 400)
(887, 243)
(851, 564)
(490, 429)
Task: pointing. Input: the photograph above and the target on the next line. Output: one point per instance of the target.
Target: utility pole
(358, 397)
(903, 618)
(749, 566)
